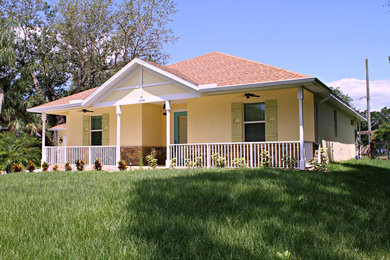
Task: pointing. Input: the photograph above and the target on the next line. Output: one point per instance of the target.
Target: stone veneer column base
(135, 155)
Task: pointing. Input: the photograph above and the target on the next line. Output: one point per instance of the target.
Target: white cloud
(356, 89)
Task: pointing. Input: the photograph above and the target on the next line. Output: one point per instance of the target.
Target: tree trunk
(1, 99)
(36, 82)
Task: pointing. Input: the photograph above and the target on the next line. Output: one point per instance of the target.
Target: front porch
(145, 111)
(251, 153)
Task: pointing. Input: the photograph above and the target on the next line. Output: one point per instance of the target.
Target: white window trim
(252, 122)
(95, 130)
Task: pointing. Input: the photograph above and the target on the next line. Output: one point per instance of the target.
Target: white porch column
(168, 128)
(43, 138)
(118, 133)
(301, 136)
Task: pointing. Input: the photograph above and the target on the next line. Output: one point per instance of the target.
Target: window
(254, 122)
(96, 130)
(335, 122)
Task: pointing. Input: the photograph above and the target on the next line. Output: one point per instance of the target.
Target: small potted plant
(68, 168)
(16, 167)
(80, 165)
(30, 166)
(45, 166)
(98, 165)
(122, 165)
(151, 159)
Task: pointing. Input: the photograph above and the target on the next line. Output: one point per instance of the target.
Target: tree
(99, 37)
(343, 96)
(47, 51)
(383, 134)
(34, 73)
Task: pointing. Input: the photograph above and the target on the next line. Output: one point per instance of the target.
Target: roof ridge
(193, 58)
(257, 62)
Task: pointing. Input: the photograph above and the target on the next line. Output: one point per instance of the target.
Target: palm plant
(20, 148)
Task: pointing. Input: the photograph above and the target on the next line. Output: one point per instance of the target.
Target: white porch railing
(251, 152)
(63, 154)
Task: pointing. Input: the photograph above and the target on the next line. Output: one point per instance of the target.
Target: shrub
(322, 165)
(55, 167)
(188, 163)
(151, 159)
(122, 165)
(239, 162)
(45, 166)
(218, 160)
(68, 168)
(80, 165)
(265, 159)
(16, 167)
(8, 168)
(198, 162)
(173, 162)
(97, 165)
(18, 148)
(289, 163)
(30, 166)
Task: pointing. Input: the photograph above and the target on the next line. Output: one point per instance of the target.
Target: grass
(198, 213)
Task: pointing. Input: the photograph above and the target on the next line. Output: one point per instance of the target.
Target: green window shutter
(86, 130)
(237, 121)
(271, 120)
(105, 129)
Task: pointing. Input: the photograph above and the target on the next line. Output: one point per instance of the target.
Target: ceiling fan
(84, 110)
(249, 95)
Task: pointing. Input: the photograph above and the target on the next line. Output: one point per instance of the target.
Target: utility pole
(368, 110)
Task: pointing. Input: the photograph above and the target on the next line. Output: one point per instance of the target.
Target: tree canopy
(49, 50)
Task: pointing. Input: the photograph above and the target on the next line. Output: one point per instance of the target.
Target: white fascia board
(54, 108)
(210, 89)
(56, 129)
(168, 75)
(336, 99)
(346, 107)
(100, 91)
(108, 83)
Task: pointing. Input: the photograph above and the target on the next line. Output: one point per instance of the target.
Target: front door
(180, 127)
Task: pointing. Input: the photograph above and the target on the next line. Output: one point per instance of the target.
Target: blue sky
(327, 39)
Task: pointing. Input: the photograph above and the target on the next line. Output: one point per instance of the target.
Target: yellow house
(214, 103)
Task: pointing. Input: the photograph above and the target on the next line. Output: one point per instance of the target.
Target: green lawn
(205, 214)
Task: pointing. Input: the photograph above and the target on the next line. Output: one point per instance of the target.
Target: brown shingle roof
(227, 70)
(63, 101)
(55, 128)
(215, 67)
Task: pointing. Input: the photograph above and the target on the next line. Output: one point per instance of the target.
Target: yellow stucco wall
(131, 126)
(342, 146)
(74, 125)
(141, 124)
(61, 133)
(209, 118)
(152, 117)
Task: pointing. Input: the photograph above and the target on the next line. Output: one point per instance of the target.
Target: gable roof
(212, 68)
(66, 100)
(227, 70)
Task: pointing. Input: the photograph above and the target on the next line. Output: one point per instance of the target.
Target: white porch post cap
(118, 110)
